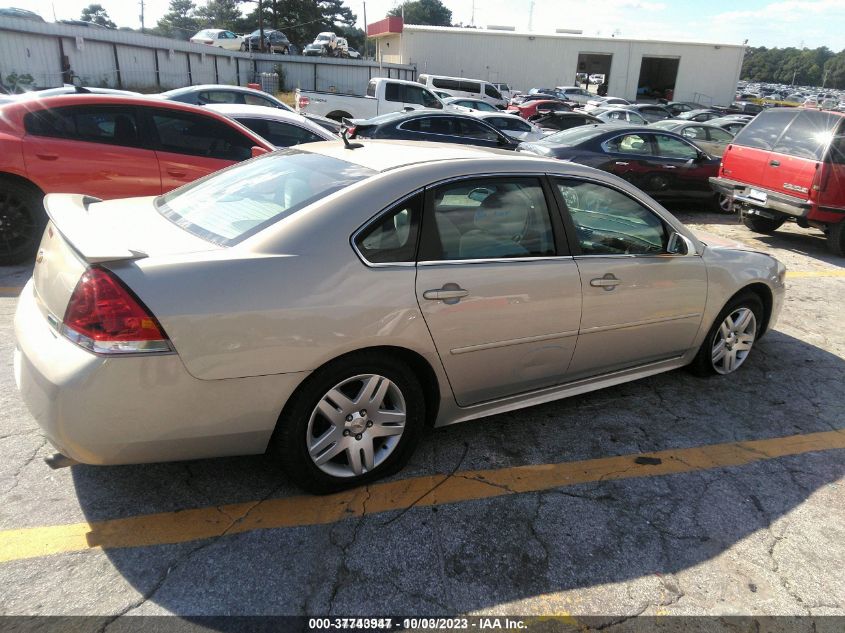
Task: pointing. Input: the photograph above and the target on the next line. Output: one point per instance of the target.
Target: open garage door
(657, 78)
(593, 69)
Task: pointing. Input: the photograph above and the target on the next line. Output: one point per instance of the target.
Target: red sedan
(107, 147)
(530, 108)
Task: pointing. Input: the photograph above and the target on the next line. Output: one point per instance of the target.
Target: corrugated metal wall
(31, 55)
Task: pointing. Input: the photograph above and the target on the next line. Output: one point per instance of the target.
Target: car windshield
(242, 200)
(573, 136)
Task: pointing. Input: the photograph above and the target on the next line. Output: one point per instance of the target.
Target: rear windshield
(802, 133)
(575, 136)
(244, 199)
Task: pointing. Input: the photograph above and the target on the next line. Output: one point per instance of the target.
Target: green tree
(431, 12)
(180, 21)
(219, 14)
(98, 15)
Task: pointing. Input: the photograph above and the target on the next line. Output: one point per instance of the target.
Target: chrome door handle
(446, 293)
(619, 162)
(669, 166)
(774, 163)
(608, 282)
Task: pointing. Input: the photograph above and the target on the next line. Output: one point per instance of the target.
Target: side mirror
(258, 151)
(680, 245)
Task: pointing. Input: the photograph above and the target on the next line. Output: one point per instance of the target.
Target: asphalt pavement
(672, 495)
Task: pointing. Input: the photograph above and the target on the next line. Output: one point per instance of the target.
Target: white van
(462, 87)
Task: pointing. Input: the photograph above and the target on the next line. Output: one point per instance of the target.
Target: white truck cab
(382, 96)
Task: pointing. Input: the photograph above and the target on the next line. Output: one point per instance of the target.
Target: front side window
(491, 218)
(233, 204)
(393, 92)
(630, 144)
(476, 130)
(93, 124)
(250, 99)
(184, 133)
(491, 92)
(671, 147)
(392, 238)
(608, 222)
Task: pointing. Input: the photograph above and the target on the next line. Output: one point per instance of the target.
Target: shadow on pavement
(480, 555)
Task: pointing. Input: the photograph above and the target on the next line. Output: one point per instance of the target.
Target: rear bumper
(137, 409)
(779, 203)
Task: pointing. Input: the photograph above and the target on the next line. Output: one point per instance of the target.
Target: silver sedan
(327, 302)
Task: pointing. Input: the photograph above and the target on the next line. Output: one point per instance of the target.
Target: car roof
(222, 87)
(384, 155)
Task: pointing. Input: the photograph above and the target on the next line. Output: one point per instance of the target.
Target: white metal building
(706, 73)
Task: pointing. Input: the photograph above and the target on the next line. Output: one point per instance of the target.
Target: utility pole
(472, 19)
(366, 39)
(260, 28)
(142, 15)
(531, 16)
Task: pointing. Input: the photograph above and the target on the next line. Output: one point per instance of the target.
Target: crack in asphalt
(184, 558)
(29, 460)
(343, 570)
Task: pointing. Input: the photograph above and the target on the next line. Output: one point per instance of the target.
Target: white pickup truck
(383, 96)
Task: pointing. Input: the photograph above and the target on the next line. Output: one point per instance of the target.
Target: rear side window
(371, 89)
(240, 201)
(431, 125)
(808, 135)
(446, 84)
(93, 124)
(183, 133)
(764, 131)
(216, 96)
(392, 238)
(280, 134)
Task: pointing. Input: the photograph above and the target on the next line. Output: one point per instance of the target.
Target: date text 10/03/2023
(435, 624)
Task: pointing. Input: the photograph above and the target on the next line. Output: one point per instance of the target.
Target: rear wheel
(22, 220)
(836, 239)
(356, 420)
(723, 204)
(730, 339)
(759, 224)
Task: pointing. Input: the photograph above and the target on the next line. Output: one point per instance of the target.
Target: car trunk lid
(84, 231)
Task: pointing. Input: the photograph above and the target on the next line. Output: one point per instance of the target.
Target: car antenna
(346, 143)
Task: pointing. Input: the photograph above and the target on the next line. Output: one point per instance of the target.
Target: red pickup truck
(788, 164)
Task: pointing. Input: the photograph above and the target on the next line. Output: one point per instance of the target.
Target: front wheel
(729, 342)
(356, 420)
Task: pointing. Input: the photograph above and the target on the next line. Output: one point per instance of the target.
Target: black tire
(759, 224)
(703, 364)
(22, 221)
(836, 239)
(289, 441)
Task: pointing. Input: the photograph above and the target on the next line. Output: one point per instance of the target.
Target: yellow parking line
(209, 522)
(815, 273)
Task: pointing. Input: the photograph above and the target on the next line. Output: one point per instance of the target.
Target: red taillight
(304, 102)
(104, 317)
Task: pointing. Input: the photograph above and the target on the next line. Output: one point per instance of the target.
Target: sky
(768, 23)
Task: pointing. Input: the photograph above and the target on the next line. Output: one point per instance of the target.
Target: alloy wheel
(356, 425)
(733, 340)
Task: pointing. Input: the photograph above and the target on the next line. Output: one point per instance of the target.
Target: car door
(497, 287)
(189, 145)
(629, 156)
(640, 303)
(92, 149)
(680, 169)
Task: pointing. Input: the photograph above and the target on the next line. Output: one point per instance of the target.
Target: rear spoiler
(94, 241)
